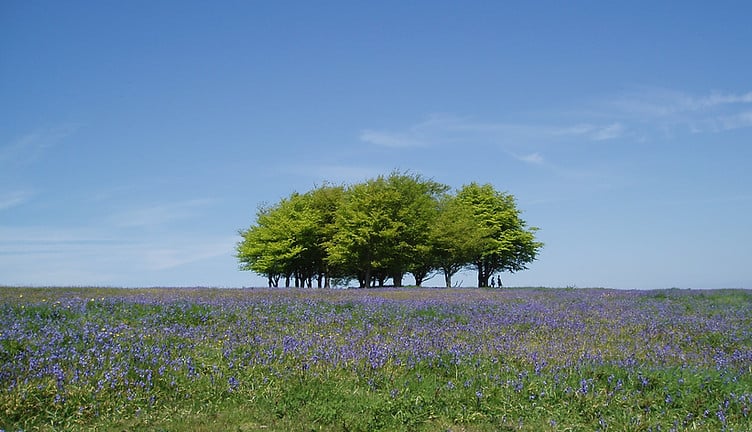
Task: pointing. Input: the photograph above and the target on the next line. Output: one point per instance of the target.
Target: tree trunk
(397, 278)
(448, 279)
(482, 275)
(419, 276)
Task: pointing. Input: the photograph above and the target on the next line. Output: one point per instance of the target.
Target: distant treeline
(386, 227)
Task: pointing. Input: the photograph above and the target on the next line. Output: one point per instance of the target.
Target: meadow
(375, 359)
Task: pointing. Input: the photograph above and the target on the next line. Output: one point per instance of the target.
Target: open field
(381, 359)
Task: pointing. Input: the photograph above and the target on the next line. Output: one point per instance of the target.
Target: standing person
(498, 279)
(492, 282)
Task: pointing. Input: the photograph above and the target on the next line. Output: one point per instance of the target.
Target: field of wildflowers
(381, 359)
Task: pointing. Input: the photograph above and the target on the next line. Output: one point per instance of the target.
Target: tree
(507, 243)
(362, 225)
(268, 247)
(289, 238)
(324, 203)
(423, 263)
(382, 225)
(385, 227)
(417, 208)
(456, 237)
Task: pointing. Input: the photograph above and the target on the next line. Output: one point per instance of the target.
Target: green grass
(422, 360)
(422, 401)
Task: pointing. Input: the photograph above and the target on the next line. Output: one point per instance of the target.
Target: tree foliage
(382, 227)
(385, 227)
(289, 239)
(506, 244)
(456, 237)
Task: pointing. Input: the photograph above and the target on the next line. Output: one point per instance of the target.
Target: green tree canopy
(289, 238)
(385, 227)
(456, 237)
(382, 226)
(507, 243)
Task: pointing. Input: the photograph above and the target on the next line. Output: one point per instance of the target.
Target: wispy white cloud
(532, 158)
(14, 198)
(436, 129)
(608, 132)
(671, 110)
(637, 114)
(389, 139)
(177, 255)
(160, 214)
(29, 146)
(86, 256)
(567, 136)
(715, 99)
(592, 132)
(736, 121)
(34, 235)
(32, 255)
(444, 129)
(521, 142)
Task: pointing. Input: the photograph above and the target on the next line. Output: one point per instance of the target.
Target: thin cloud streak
(392, 140)
(723, 99)
(435, 129)
(33, 144)
(532, 158)
(609, 132)
(48, 235)
(162, 258)
(14, 199)
(592, 132)
(159, 214)
(641, 115)
(98, 255)
(671, 110)
(443, 130)
(522, 142)
(737, 121)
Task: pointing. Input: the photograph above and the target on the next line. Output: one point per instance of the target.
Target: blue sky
(137, 137)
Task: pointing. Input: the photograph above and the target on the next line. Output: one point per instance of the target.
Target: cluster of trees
(384, 228)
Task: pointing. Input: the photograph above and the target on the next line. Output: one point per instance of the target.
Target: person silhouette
(498, 280)
(492, 282)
